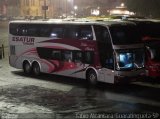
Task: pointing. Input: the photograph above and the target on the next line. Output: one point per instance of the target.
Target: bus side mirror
(152, 52)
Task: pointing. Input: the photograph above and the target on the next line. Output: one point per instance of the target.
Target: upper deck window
(17, 29)
(57, 31)
(125, 34)
(71, 32)
(25, 29)
(102, 34)
(149, 29)
(86, 33)
(82, 32)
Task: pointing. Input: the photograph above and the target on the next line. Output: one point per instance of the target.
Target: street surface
(57, 97)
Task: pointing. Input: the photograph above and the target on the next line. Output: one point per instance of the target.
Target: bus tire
(26, 67)
(36, 69)
(91, 77)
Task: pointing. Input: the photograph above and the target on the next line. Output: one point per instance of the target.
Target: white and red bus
(150, 31)
(106, 51)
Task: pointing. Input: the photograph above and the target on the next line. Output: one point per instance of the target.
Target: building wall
(30, 7)
(85, 6)
(13, 7)
(34, 7)
(3, 7)
(58, 8)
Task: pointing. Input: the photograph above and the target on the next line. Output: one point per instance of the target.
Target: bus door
(108, 69)
(105, 54)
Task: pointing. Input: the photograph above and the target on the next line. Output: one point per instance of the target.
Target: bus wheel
(36, 69)
(26, 67)
(92, 77)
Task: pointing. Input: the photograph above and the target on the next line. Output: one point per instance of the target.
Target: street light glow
(75, 7)
(122, 4)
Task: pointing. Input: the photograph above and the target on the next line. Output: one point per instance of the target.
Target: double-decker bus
(150, 31)
(108, 51)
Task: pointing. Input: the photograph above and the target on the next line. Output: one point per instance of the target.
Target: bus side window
(13, 29)
(71, 32)
(85, 32)
(88, 57)
(56, 55)
(32, 30)
(44, 53)
(57, 31)
(49, 53)
(16, 29)
(21, 30)
(67, 56)
(78, 57)
(44, 30)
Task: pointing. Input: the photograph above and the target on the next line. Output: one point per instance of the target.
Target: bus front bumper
(129, 76)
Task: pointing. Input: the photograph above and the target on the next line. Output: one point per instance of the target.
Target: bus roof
(72, 21)
(143, 20)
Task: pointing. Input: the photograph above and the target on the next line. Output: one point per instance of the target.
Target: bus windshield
(150, 29)
(129, 60)
(125, 35)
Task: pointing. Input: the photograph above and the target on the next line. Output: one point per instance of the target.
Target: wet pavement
(34, 101)
(57, 97)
